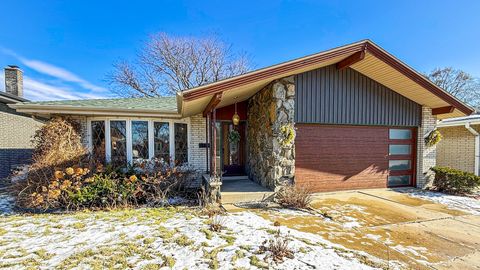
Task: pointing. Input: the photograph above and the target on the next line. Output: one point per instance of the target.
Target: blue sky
(66, 48)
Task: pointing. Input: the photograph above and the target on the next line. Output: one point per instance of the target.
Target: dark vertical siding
(347, 97)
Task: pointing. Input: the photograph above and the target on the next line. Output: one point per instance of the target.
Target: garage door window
(400, 157)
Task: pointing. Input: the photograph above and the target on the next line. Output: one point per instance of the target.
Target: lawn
(154, 238)
(364, 230)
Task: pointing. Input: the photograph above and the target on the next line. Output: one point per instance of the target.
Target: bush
(454, 181)
(294, 196)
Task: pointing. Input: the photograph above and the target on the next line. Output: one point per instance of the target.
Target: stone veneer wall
(269, 163)
(426, 156)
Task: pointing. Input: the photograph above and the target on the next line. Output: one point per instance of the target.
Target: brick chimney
(14, 81)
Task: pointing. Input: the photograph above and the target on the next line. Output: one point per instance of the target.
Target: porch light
(236, 117)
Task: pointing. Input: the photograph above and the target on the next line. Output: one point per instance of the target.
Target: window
(122, 141)
(118, 131)
(98, 141)
(139, 140)
(161, 140)
(181, 143)
(399, 180)
(399, 165)
(399, 149)
(401, 157)
(400, 134)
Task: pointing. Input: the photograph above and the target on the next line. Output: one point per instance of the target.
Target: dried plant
(278, 248)
(217, 223)
(294, 196)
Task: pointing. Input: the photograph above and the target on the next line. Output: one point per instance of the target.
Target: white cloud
(39, 90)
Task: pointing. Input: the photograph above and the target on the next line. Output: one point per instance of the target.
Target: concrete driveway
(394, 226)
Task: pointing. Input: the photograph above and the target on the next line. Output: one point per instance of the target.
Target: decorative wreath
(287, 135)
(234, 136)
(433, 138)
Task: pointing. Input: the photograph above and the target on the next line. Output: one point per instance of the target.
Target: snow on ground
(463, 203)
(152, 238)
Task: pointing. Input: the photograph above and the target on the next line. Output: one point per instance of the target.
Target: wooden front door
(233, 153)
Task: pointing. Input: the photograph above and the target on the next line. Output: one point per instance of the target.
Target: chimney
(14, 81)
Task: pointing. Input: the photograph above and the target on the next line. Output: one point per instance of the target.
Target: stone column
(426, 156)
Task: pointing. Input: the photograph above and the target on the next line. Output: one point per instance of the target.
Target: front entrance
(231, 140)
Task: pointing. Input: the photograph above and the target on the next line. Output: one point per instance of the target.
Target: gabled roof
(156, 106)
(376, 63)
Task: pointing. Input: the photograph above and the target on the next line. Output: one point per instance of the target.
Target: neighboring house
(16, 129)
(459, 147)
(360, 116)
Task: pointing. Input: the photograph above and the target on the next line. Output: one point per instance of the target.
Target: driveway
(395, 226)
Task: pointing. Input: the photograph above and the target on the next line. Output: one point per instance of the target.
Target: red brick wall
(341, 157)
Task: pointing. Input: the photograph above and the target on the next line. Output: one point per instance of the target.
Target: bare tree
(169, 64)
(458, 83)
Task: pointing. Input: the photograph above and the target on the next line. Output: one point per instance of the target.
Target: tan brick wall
(197, 135)
(426, 156)
(16, 133)
(457, 148)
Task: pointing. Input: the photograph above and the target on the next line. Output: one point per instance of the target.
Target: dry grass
(217, 223)
(294, 196)
(278, 248)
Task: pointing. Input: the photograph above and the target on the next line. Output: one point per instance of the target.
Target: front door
(232, 144)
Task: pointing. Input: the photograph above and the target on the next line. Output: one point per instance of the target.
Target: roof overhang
(365, 57)
(46, 110)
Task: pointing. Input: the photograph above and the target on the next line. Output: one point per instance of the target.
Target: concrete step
(236, 197)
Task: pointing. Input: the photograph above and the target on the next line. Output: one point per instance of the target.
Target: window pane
(98, 141)
(399, 149)
(400, 134)
(181, 143)
(118, 137)
(139, 140)
(162, 141)
(400, 180)
(399, 165)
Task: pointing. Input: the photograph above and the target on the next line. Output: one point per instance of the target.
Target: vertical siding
(347, 97)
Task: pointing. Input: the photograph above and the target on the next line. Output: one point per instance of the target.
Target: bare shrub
(217, 223)
(278, 248)
(294, 196)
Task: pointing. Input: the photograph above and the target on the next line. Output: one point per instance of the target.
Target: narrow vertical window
(161, 136)
(98, 141)
(139, 140)
(118, 138)
(181, 143)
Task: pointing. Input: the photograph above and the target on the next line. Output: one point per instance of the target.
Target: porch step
(239, 177)
(242, 190)
(238, 197)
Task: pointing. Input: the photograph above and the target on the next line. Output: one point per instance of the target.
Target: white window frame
(151, 139)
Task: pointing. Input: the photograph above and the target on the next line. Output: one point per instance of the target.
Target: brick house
(460, 146)
(16, 129)
(359, 116)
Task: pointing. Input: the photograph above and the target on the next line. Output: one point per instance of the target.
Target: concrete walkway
(394, 226)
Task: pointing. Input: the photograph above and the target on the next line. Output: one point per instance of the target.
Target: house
(460, 145)
(16, 129)
(360, 117)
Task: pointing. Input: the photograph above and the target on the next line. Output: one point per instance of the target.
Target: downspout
(477, 145)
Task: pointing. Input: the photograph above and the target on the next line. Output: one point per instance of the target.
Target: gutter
(477, 145)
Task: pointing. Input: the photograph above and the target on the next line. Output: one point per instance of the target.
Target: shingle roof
(165, 104)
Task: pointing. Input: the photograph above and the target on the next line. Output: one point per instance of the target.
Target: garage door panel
(341, 157)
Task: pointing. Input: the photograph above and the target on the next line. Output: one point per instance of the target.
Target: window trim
(151, 142)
